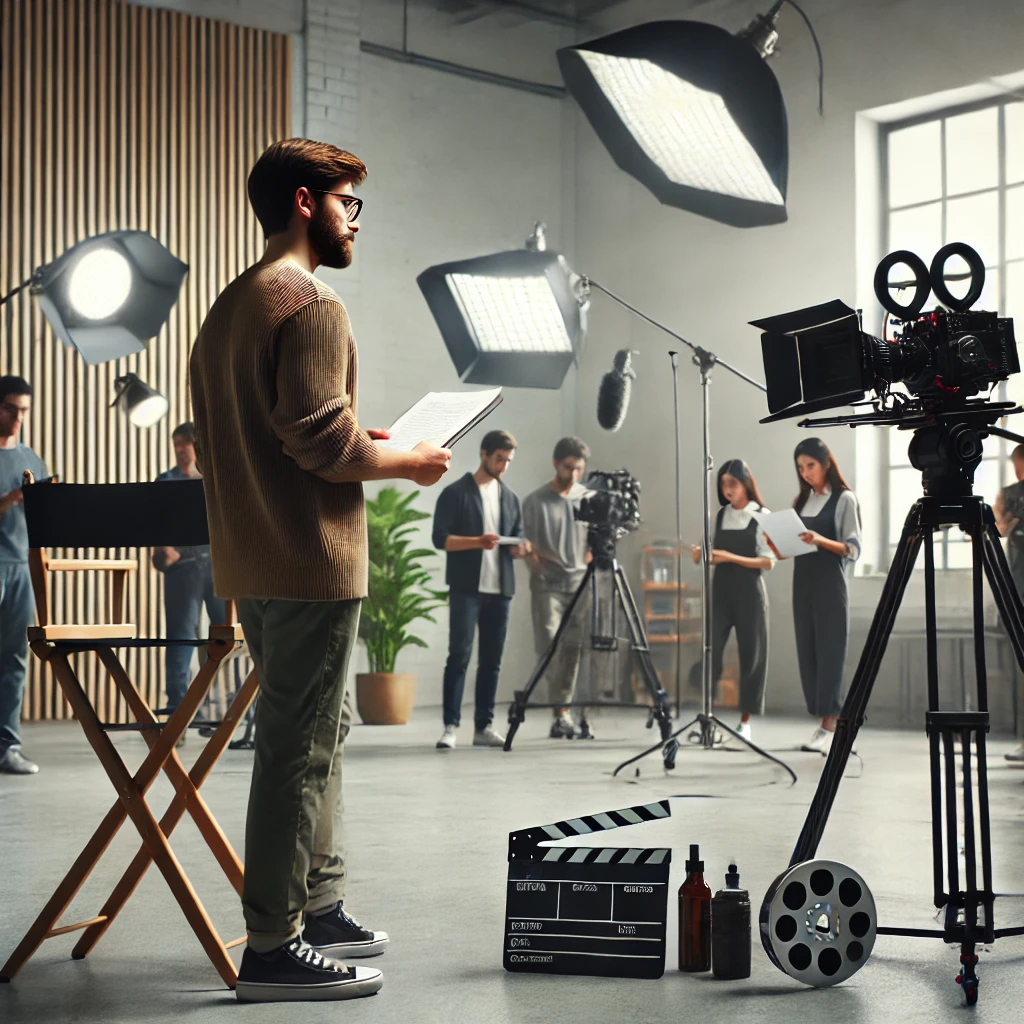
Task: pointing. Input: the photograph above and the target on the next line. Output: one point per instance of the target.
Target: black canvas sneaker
(337, 933)
(297, 972)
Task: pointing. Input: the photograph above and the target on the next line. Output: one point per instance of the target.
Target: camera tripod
(947, 452)
(603, 549)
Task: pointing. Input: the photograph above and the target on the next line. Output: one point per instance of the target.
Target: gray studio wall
(707, 280)
(457, 168)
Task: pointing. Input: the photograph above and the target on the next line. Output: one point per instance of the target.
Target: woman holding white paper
(821, 608)
(740, 553)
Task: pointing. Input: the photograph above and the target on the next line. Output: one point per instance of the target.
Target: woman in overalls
(821, 607)
(740, 553)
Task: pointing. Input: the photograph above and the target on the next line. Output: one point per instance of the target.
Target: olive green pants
(294, 860)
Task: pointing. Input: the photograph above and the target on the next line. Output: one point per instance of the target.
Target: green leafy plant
(399, 587)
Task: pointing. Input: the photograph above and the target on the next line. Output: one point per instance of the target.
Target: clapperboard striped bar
(585, 910)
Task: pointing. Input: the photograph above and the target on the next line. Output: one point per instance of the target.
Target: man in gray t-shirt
(17, 604)
(557, 561)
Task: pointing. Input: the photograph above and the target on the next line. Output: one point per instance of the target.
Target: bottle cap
(694, 863)
(732, 878)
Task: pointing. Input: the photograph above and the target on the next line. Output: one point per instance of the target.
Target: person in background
(471, 518)
(557, 561)
(188, 579)
(17, 604)
(1009, 515)
(821, 605)
(740, 554)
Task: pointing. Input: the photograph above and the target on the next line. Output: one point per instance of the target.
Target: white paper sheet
(502, 541)
(783, 530)
(439, 417)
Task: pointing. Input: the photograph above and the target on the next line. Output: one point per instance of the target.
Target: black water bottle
(730, 929)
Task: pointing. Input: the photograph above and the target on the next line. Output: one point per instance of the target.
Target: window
(957, 176)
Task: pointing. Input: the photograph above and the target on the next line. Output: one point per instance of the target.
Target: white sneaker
(820, 742)
(743, 730)
(1016, 756)
(488, 738)
(447, 740)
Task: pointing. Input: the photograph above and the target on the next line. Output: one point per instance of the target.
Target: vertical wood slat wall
(117, 116)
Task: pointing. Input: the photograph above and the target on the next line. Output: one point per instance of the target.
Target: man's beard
(494, 474)
(333, 246)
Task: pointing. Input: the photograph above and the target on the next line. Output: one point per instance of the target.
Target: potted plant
(399, 594)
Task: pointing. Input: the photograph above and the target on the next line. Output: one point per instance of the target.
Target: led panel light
(511, 314)
(692, 112)
(510, 319)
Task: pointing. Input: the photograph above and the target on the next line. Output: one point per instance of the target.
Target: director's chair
(130, 516)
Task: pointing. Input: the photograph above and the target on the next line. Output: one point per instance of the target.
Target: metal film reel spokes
(818, 922)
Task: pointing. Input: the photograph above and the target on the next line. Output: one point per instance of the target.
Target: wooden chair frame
(55, 645)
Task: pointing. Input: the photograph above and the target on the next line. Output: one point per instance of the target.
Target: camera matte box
(580, 910)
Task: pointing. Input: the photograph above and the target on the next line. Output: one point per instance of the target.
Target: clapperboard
(577, 910)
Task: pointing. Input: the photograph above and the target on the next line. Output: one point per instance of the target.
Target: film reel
(818, 922)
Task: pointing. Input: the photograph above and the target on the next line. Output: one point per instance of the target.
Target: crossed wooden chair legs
(131, 802)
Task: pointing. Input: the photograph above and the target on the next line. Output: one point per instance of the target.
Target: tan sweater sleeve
(313, 415)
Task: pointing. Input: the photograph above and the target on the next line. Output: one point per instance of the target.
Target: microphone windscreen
(612, 400)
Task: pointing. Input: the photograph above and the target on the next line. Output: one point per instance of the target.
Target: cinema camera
(819, 358)
(610, 508)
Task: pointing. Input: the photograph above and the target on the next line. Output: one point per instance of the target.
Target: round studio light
(143, 405)
(149, 411)
(100, 284)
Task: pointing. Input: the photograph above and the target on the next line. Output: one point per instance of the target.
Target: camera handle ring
(922, 281)
(938, 280)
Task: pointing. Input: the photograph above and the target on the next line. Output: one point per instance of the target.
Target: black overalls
(821, 616)
(739, 601)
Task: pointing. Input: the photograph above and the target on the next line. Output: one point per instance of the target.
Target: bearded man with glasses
(273, 379)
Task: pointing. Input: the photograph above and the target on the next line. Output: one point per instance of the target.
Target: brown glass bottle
(694, 917)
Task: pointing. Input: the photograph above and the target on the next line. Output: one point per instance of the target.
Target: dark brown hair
(187, 430)
(498, 441)
(739, 470)
(815, 448)
(11, 385)
(571, 447)
(291, 164)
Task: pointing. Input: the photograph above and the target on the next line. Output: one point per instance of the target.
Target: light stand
(674, 356)
(705, 718)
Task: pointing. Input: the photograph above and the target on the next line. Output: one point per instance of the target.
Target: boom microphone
(613, 395)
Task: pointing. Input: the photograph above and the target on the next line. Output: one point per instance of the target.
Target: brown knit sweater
(273, 379)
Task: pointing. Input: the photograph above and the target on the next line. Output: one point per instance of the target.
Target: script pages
(441, 417)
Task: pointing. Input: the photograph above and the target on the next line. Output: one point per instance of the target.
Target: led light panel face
(510, 314)
(686, 131)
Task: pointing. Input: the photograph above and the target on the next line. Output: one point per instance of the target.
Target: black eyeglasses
(353, 204)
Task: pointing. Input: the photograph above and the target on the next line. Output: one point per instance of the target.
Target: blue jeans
(17, 613)
(467, 611)
(187, 587)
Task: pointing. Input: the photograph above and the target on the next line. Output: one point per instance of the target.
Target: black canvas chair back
(166, 514)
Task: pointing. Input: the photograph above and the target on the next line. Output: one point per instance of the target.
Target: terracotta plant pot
(385, 698)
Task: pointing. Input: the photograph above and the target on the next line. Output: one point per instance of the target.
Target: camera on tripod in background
(610, 508)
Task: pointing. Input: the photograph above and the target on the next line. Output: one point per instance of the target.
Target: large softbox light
(692, 112)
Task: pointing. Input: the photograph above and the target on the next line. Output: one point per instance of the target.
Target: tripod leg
(860, 689)
(517, 710)
(657, 746)
(638, 640)
(754, 747)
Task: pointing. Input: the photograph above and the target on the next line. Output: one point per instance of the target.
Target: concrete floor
(428, 835)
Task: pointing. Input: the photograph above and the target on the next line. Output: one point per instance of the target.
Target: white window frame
(997, 450)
